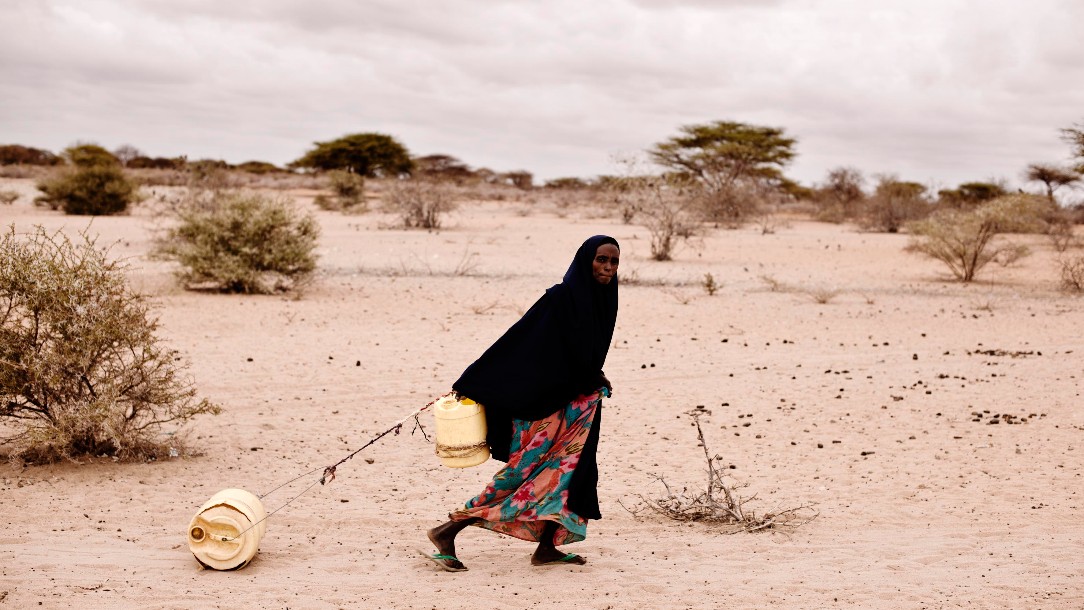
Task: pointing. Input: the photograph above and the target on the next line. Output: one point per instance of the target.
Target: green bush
(96, 190)
(242, 242)
(90, 155)
(81, 370)
(965, 241)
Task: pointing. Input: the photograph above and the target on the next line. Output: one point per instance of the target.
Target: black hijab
(554, 353)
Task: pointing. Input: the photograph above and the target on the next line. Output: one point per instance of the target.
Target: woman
(542, 385)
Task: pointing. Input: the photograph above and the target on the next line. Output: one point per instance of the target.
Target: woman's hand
(604, 382)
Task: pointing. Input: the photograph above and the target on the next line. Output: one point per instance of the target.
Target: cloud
(954, 90)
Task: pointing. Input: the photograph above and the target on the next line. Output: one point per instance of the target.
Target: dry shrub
(8, 197)
(822, 296)
(242, 242)
(893, 204)
(1072, 274)
(81, 369)
(773, 284)
(709, 284)
(95, 190)
(349, 191)
(719, 503)
(420, 204)
(965, 240)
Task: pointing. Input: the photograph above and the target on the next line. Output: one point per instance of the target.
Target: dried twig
(719, 504)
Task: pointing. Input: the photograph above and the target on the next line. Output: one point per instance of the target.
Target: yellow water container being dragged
(226, 532)
(461, 432)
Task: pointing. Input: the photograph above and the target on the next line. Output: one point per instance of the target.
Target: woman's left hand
(605, 382)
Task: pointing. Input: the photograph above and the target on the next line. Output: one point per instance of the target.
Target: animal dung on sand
(226, 532)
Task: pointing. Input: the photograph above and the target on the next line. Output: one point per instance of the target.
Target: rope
(329, 472)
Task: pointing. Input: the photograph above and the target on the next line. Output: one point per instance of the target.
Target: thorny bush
(82, 371)
(242, 242)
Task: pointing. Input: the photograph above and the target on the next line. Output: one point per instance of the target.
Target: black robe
(553, 354)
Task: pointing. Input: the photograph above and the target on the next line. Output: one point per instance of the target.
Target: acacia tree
(1074, 136)
(1052, 177)
(971, 194)
(725, 156)
(366, 154)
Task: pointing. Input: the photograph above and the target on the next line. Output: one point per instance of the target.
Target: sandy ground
(861, 406)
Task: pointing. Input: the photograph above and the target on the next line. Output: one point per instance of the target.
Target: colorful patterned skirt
(532, 488)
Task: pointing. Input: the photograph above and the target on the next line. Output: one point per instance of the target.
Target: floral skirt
(532, 488)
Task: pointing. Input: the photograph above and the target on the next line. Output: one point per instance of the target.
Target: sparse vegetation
(709, 284)
(1072, 273)
(96, 190)
(773, 284)
(822, 295)
(8, 197)
(349, 191)
(964, 241)
(242, 242)
(894, 203)
(719, 503)
(82, 371)
(420, 204)
(841, 196)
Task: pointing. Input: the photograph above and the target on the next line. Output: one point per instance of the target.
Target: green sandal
(444, 561)
(569, 559)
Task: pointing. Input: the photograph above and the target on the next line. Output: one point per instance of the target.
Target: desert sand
(861, 406)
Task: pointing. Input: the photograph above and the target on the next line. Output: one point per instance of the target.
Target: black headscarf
(554, 353)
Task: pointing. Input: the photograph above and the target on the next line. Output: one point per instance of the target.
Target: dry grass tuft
(822, 296)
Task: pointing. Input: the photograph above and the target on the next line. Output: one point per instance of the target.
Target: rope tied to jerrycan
(328, 474)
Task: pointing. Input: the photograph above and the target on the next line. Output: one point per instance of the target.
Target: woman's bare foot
(443, 538)
(549, 555)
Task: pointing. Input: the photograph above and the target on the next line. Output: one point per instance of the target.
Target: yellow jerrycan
(461, 432)
(226, 532)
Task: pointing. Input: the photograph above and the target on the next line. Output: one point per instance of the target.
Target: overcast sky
(937, 91)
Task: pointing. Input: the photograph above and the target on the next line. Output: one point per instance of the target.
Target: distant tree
(89, 155)
(16, 154)
(520, 179)
(567, 183)
(970, 194)
(840, 197)
(258, 167)
(894, 203)
(441, 167)
(1052, 177)
(724, 154)
(157, 163)
(365, 154)
(126, 152)
(1074, 136)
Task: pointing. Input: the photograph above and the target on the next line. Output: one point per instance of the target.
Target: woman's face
(604, 266)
